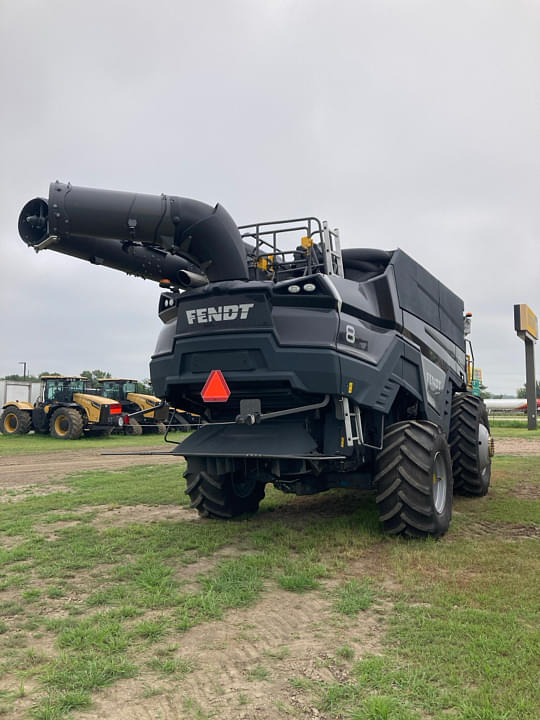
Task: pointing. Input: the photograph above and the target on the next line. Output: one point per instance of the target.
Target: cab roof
(116, 380)
(63, 377)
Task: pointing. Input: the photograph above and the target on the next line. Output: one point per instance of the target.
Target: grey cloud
(405, 123)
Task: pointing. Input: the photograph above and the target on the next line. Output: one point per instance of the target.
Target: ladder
(333, 262)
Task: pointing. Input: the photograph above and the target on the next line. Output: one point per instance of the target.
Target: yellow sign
(525, 321)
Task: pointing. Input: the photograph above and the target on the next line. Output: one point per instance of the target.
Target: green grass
(461, 623)
(31, 443)
(463, 639)
(172, 666)
(259, 672)
(512, 429)
(353, 597)
(301, 575)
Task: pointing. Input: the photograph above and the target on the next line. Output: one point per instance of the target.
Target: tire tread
(403, 480)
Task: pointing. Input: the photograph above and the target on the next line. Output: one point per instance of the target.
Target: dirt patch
(8, 542)
(517, 446)
(107, 516)
(17, 471)
(32, 491)
(118, 516)
(507, 531)
(525, 491)
(244, 665)
(49, 531)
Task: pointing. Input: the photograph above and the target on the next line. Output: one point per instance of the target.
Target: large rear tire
(470, 445)
(217, 492)
(414, 480)
(14, 421)
(66, 424)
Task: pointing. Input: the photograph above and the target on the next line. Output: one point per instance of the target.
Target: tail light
(115, 409)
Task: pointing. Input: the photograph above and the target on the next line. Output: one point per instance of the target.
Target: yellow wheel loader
(65, 409)
(147, 413)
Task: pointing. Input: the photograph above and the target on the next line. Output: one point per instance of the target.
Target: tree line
(93, 376)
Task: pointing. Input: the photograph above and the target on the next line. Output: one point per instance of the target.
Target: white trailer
(18, 391)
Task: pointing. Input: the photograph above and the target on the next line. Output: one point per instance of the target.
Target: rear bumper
(254, 359)
(255, 364)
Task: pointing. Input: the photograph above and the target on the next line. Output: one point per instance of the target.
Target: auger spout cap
(189, 279)
(33, 221)
(137, 233)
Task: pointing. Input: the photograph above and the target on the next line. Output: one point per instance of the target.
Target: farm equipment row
(67, 408)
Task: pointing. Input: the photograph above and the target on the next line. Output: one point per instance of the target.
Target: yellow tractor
(65, 409)
(147, 413)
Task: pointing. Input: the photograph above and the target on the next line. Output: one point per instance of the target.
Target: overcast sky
(412, 124)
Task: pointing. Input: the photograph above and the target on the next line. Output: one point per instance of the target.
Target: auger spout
(153, 236)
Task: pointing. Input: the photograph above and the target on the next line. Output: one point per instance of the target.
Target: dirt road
(19, 470)
(517, 446)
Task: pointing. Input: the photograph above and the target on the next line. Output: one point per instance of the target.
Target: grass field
(113, 596)
(511, 428)
(32, 443)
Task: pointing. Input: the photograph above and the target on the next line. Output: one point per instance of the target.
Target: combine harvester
(311, 367)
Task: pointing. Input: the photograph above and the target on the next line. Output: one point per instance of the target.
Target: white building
(18, 390)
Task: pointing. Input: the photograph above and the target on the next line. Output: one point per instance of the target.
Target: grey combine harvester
(312, 367)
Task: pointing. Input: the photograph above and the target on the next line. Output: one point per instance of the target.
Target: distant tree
(20, 378)
(522, 391)
(145, 386)
(484, 392)
(94, 375)
(486, 395)
(28, 378)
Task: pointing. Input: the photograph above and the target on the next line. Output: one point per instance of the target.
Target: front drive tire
(470, 445)
(414, 480)
(66, 424)
(224, 495)
(161, 428)
(14, 421)
(133, 427)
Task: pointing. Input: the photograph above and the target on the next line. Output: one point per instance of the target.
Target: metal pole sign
(526, 326)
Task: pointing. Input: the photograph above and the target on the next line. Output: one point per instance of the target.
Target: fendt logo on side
(220, 313)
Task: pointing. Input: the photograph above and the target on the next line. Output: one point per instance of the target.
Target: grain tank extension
(321, 368)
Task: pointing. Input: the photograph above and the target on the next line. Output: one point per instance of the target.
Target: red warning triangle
(215, 388)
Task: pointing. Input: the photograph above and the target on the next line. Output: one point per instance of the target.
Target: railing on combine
(317, 248)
